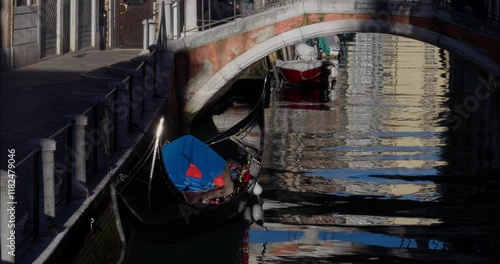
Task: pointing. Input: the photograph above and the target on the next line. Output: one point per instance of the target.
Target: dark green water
(374, 172)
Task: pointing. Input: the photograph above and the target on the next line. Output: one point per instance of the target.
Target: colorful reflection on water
(362, 177)
(366, 173)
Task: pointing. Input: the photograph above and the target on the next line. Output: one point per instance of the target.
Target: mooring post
(8, 219)
(79, 189)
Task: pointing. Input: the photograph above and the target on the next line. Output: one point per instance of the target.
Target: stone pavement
(35, 99)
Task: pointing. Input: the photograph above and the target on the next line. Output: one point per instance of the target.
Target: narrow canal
(380, 170)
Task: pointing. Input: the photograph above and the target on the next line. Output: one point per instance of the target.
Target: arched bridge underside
(207, 60)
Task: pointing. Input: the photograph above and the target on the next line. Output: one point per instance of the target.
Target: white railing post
(46, 197)
(148, 36)
(79, 155)
(49, 203)
(74, 13)
(152, 32)
(191, 17)
(145, 33)
(175, 19)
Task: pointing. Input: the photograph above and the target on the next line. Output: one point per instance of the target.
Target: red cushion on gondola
(193, 171)
(219, 181)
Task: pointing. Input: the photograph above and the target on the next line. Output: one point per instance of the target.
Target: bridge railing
(210, 17)
(479, 11)
(235, 9)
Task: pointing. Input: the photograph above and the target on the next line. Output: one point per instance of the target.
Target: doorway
(129, 17)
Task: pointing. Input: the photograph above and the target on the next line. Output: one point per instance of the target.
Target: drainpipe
(59, 27)
(94, 24)
(111, 24)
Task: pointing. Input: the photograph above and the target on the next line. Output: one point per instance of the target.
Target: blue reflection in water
(365, 174)
(272, 236)
(382, 134)
(374, 239)
(381, 156)
(437, 245)
(384, 148)
(259, 236)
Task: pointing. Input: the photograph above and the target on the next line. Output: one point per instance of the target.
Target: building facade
(33, 30)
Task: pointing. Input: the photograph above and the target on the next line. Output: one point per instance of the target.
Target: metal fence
(212, 13)
(485, 12)
(56, 172)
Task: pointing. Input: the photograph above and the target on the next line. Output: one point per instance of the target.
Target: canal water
(371, 172)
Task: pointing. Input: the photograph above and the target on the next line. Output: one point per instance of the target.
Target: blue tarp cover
(180, 153)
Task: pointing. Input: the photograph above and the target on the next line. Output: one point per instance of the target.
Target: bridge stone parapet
(206, 61)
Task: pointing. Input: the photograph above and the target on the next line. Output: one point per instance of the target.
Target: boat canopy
(191, 164)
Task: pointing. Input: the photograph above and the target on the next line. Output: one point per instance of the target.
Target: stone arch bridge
(207, 60)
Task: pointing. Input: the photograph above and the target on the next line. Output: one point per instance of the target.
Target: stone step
(116, 71)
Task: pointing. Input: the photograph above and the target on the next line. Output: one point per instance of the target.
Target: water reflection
(370, 173)
(222, 244)
(365, 178)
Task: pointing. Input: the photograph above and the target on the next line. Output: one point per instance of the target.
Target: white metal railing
(230, 10)
(213, 13)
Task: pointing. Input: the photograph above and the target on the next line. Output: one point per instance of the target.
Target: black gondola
(154, 197)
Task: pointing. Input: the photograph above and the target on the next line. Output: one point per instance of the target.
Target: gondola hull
(149, 196)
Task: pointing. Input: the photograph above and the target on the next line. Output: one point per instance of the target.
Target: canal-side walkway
(86, 104)
(36, 99)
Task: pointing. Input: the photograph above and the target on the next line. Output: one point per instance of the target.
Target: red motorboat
(300, 72)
